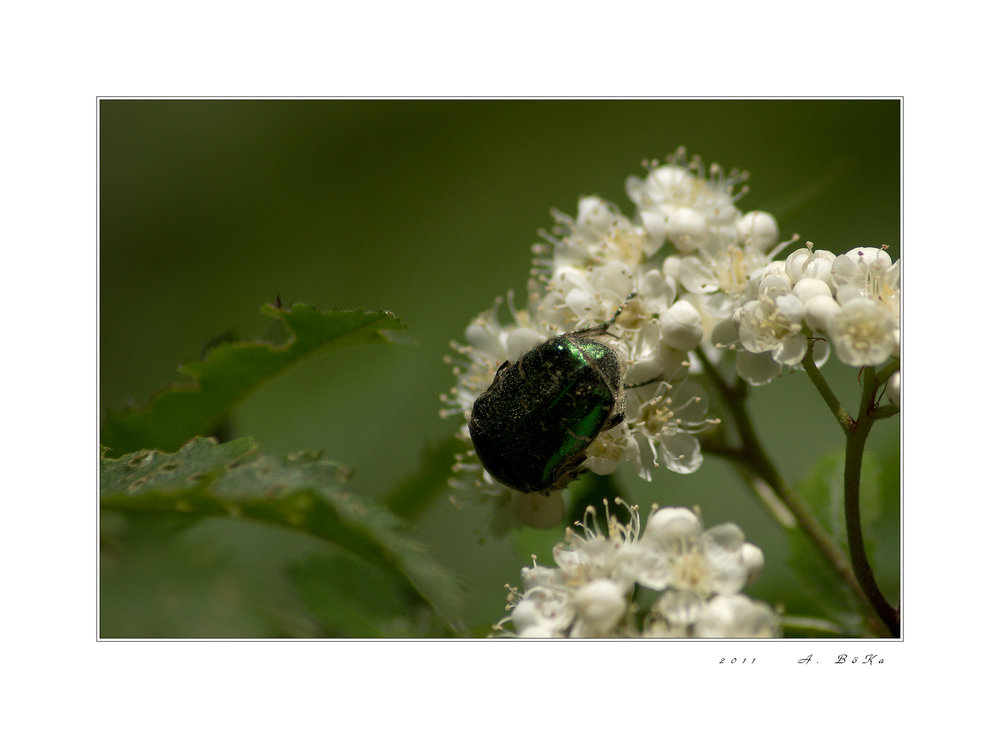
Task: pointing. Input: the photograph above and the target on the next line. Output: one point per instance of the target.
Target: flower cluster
(852, 299)
(688, 270)
(590, 266)
(595, 590)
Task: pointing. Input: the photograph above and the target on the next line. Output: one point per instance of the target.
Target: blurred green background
(428, 209)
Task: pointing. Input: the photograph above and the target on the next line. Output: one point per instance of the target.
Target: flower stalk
(855, 449)
(843, 418)
(752, 456)
(856, 431)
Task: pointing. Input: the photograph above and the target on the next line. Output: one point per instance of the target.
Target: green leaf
(823, 491)
(352, 597)
(297, 491)
(231, 371)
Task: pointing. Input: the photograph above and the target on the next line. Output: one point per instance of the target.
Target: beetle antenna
(607, 323)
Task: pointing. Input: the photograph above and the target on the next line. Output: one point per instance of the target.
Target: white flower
(773, 321)
(664, 423)
(674, 614)
(721, 246)
(585, 596)
(597, 234)
(736, 616)
(853, 299)
(588, 555)
(864, 332)
(868, 272)
(767, 329)
(680, 202)
(862, 316)
(591, 593)
(677, 553)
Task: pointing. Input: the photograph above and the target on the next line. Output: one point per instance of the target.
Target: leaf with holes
(297, 491)
(231, 371)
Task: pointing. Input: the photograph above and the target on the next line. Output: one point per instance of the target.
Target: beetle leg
(614, 420)
(643, 384)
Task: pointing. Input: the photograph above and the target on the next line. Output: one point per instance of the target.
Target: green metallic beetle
(532, 426)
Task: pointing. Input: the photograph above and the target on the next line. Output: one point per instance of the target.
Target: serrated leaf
(300, 491)
(231, 371)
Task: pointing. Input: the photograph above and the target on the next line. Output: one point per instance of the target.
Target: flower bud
(682, 328)
(759, 230)
(687, 229)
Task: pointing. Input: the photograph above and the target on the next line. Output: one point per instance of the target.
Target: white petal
(795, 263)
(599, 606)
(525, 614)
(482, 338)
(582, 303)
(792, 308)
(849, 293)
(820, 312)
(552, 606)
(680, 607)
(594, 215)
(727, 537)
(736, 616)
(656, 228)
(520, 341)
(725, 333)
(670, 524)
(753, 559)
(681, 453)
(756, 369)
(809, 288)
(791, 350)
(614, 281)
(688, 402)
(650, 567)
(655, 287)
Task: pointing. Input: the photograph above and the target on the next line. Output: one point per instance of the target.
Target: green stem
(883, 374)
(883, 411)
(809, 364)
(751, 455)
(856, 432)
(856, 439)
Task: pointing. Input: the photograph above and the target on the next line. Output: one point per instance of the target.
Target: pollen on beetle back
(531, 427)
